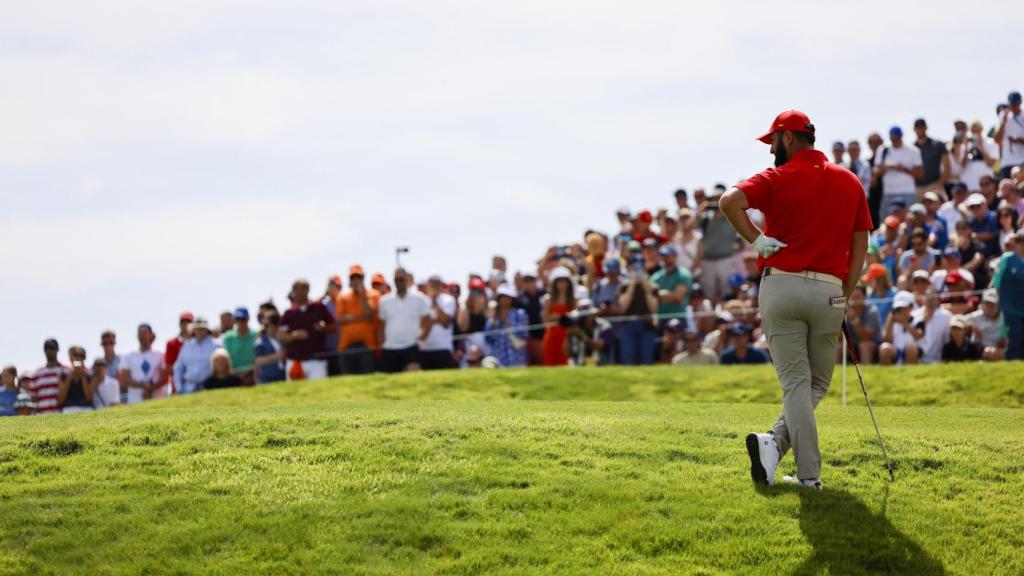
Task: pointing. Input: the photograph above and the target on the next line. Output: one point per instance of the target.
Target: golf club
(856, 364)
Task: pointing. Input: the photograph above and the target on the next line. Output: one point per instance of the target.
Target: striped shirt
(45, 388)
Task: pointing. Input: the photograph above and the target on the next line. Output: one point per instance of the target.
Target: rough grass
(454, 478)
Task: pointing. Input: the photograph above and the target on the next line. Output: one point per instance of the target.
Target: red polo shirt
(812, 205)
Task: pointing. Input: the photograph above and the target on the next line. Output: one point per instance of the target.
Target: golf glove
(766, 245)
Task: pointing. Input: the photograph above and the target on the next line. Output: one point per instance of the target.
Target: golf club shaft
(863, 388)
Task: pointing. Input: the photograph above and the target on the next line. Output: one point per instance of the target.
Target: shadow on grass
(848, 538)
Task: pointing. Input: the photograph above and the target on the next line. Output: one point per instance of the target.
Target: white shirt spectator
(402, 317)
(991, 328)
(936, 333)
(1013, 154)
(975, 169)
(439, 337)
(894, 181)
(142, 367)
(900, 337)
(107, 394)
(949, 215)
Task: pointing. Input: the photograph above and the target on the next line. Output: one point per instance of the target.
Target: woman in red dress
(559, 301)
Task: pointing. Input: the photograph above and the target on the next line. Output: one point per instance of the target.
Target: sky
(157, 157)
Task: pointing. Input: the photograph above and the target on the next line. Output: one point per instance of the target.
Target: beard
(781, 156)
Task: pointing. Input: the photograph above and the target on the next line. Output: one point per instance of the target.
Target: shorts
(436, 359)
(398, 360)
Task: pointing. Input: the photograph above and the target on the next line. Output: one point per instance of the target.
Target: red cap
(874, 272)
(792, 120)
(477, 284)
(186, 316)
(954, 276)
(645, 216)
(892, 221)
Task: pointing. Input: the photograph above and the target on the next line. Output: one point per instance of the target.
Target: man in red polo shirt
(811, 252)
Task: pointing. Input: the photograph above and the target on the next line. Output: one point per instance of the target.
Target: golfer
(810, 252)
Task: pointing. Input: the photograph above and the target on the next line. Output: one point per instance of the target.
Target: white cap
(559, 272)
(975, 199)
(506, 290)
(903, 299)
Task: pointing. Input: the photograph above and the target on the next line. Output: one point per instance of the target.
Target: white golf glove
(766, 245)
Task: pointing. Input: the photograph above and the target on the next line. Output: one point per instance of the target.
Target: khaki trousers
(802, 328)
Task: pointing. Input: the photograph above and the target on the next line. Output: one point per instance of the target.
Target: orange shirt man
(357, 321)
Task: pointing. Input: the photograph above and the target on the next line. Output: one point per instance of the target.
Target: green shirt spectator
(673, 284)
(240, 342)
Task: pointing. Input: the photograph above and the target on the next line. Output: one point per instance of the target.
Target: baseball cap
(896, 131)
(954, 276)
(51, 343)
(951, 252)
(558, 273)
(477, 284)
(921, 275)
(875, 271)
(931, 196)
(736, 280)
(958, 321)
(506, 290)
(668, 251)
(200, 323)
(967, 275)
(612, 265)
(673, 325)
(696, 288)
(918, 208)
(975, 199)
(902, 299)
(838, 145)
(645, 216)
(892, 221)
(792, 120)
(897, 205)
(738, 329)
(241, 313)
(1014, 97)
(623, 210)
(959, 187)
(356, 270)
(990, 295)
(528, 274)
(99, 362)
(633, 245)
(585, 307)
(186, 317)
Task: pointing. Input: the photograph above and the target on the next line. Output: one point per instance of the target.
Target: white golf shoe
(764, 457)
(812, 484)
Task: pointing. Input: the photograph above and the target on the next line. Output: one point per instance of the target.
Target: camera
(78, 364)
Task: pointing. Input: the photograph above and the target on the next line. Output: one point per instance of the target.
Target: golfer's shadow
(848, 538)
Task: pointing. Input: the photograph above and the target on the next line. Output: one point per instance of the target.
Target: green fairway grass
(557, 471)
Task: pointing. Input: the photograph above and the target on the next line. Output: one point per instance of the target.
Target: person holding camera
(506, 334)
(901, 333)
(639, 300)
(1010, 135)
(77, 386)
(587, 341)
(975, 154)
(719, 240)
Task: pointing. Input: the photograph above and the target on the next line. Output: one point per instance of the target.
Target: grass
(610, 471)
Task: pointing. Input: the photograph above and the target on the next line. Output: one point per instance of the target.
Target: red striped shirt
(45, 388)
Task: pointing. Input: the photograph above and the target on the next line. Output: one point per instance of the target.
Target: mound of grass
(300, 479)
(994, 385)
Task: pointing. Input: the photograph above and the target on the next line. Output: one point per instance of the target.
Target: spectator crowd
(943, 282)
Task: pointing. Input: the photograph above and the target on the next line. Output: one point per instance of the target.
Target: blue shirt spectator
(272, 371)
(193, 364)
(740, 352)
(508, 342)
